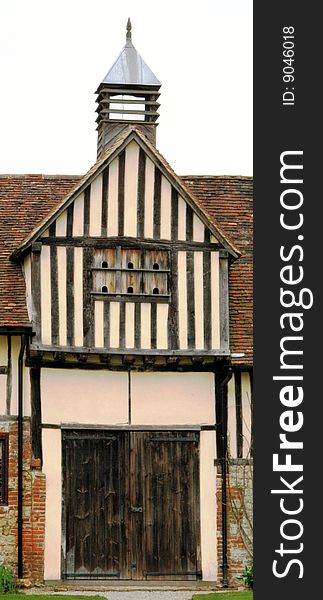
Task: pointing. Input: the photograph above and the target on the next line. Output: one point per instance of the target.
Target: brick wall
(34, 494)
(239, 519)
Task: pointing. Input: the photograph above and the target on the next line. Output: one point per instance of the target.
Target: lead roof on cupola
(130, 67)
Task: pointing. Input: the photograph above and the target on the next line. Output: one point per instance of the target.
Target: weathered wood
(90, 350)
(125, 242)
(207, 299)
(122, 325)
(52, 229)
(131, 297)
(54, 296)
(157, 202)
(153, 325)
(136, 502)
(70, 218)
(106, 321)
(238, 398)
(197, 359)
(144, 363)
(221, 410)
(126, 100)
(60, 356)
(170, 479)
(120, 427)
(93, 504)
(138, 325)
(174, 214)
(118, 273)
(86, 224)
(132, 270)
(207, 235)
(190, 300)
(105, 202)
(132, 510)
(128, 359)
(189, 224)
(224, 302)
(87, 299)
(117, 111)
(36, 290)
(70, 295)
(121, 193)
(36, 420)
(223, 253)
(141, 194)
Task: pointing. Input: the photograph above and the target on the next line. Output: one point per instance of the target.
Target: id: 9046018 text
(288, 66)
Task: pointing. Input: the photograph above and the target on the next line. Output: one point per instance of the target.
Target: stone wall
(34, 493)
(239, 519)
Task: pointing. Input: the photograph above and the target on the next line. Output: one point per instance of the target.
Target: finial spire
(129, 26)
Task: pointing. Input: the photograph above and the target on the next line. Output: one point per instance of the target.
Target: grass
(226, 596)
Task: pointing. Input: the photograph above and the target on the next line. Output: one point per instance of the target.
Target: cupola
(127, 95)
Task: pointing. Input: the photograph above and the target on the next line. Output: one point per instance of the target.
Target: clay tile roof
(229, 201)
(26, 200)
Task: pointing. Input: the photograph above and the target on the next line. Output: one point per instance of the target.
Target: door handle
(136, 509)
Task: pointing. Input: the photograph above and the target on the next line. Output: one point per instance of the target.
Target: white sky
(54, 54)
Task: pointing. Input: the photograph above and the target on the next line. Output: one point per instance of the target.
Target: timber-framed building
(126, 359)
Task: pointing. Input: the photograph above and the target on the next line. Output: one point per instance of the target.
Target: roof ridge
(217, 176)
(36, 175)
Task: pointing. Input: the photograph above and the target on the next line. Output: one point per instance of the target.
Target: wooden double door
(131, 505)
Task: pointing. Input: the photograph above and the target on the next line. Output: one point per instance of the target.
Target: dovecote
(128, 94)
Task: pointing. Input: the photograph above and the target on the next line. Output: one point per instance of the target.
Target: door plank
(171, 505)
(131, 504)
(93, 504)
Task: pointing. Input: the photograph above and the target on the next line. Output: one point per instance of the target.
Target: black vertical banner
(288, 300)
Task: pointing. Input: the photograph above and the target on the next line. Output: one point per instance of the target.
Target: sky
(54, 54)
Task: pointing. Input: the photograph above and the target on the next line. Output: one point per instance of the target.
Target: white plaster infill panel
(172, 399)
(3, 377)
(15, 349)
(208, 505)
(3, 394)
(52, 468)
(246, 414)
(84, 397)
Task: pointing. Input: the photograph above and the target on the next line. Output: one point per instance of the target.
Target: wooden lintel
(215, 355)
(125, 242)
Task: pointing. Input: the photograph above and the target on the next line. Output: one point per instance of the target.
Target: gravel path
(140, 595)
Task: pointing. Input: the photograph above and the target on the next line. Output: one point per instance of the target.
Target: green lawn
(224, 596)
